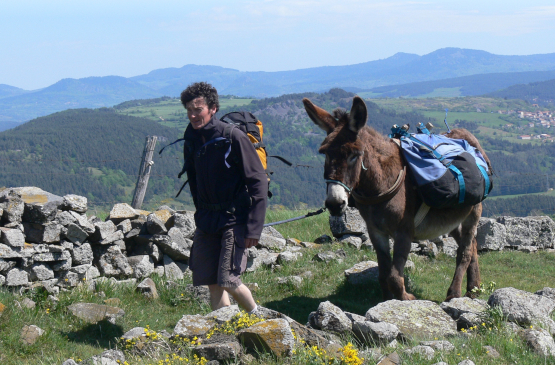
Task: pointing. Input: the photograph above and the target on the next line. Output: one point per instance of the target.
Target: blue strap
(486, 178)
(436, 154)
(462, 187)
(174, 142)
(213, 140)
(339, 183)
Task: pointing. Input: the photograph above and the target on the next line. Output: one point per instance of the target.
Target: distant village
(543, 119)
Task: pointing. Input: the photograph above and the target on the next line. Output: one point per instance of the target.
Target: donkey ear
(319, 116)
(358, 115)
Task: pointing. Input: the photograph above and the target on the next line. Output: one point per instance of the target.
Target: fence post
(144, 172)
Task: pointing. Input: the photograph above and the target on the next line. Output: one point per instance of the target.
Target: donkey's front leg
(381, 245)
(396, 279)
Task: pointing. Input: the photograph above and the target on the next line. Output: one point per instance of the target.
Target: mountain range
(17, 105)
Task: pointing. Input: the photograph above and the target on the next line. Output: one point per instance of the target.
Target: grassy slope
(67, 337)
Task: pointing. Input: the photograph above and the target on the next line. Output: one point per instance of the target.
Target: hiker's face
(198, 112)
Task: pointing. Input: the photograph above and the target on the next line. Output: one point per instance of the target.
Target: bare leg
(243, 296)
(218, 297)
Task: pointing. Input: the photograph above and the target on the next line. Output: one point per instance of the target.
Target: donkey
(367, 167)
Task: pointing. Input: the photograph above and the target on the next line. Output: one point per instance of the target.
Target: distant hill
(463, 86)
(541, 93)
(90, 92)
(7, 91)
(400, 68)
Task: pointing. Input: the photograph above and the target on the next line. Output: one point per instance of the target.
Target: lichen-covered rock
(219, 351)
(190, 326)
(121, 212)
(491, 235)
(40, 272)
(30, 334)
(12, 237)
(185, 221)
(12, 206)
(546, 292)
(349, 222)
(375, 332)
(102, 231)
(82, 255)
(463, 309)
(529, 231)
(17, 277)
(288, 256)
(295, 281)
(362, 273)
(223, 314)
(180, 250)
(171, 270)
(540, 341)
(326, 256)
(439, 345)
(75, 233)
(39, 212)
(93, 313)
(112, 262)
(425, 352)
(257, 258)
(155, 225)
(142, 265)
(415, 319)
(148, 288)
(331, 318)
(524, 308)
(352, 241)
(75, 203)
(42, 233)
(271, 243)
(83, 222)
(273, 335)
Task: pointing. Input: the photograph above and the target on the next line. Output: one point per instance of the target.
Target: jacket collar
(208, 131)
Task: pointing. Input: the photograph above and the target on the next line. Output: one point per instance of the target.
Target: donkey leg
(396, 279)
(467, 255)
(473, 279)
(381, 245)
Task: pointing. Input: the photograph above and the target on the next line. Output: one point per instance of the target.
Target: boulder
(122, 211)
(546, 292)
(148, 288)
(42, 233)
(65, 218)
(75, 233)
(40, 272)
(375, 332)
(102, 231)
(331, 318)
(93, 313)
(17, 277)
(415, 318)
(142, 265)
(273, 335)
(491, 235)
(362, 273)
(112, 262)
(529, 231)
(30, 334)
(271, 243)
(171, 270)
(271, 231)
(124, 226)
(223, 314)
(177, 250)
(185, 221)
(40, 207)
(288, 256)
(349, 222)
(155, 225)
(12, 205)
(12, 237)
(466, 311)
(82, 254)
(352, 241)
(190, 326)
(540, 341)
(257, 258)
(219, 351)
(524, 308)
(75, 203)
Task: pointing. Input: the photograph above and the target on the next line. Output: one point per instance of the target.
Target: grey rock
(529, 231)
(271, 231)
(143, 245)
(176, 250)
(68, 279)
(82, 254)
(75, 203)
(109, 357)
(295, 281)
(17, 277)
(148, 288)
(491, 235)
(349, 223)
(331, 318)
(2, 281)
(75, 233)
(223, 314)
(69, 362)
(12, 207)
(83, 222)
(353, 317)
(439, 345)
(352, 241)
(65, 218)
(425, 352)
(30, 334)
(124, 226)
(114, 238)
(428, 248)
(271, 243)
(12, 237)
(466, 311)
(449, 246)
(466, 362)
(218, 351)
(121, 212)
(546, 292)
(171, 270)
(6, 265)
(190, 326)
(185, 221)
(491, 352)
(41, 272)
(142, 265)
(52, 256)
(93, 313)
(42, 233)
(288, 256)
(6, 252)
(524, 308)
(25, 303)
(36, 212)
(375, 332)
(257, 258)
(102, 231)
(155, 225)
(362, 273)
(112, 262)
(415, 319)
(134, 333)
(323, 239)
(326, 256)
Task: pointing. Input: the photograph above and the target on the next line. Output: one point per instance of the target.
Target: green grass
(68, 337)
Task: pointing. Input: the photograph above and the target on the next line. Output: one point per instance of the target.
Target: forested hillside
(542, 93)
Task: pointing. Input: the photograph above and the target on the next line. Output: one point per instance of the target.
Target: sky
(42, 42)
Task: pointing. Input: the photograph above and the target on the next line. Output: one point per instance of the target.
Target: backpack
(446, 171)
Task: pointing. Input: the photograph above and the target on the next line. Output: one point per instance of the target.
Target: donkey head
(343, 150)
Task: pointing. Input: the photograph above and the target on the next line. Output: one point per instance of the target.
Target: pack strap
(421, 214)
(174, 142)
(380, 198)
(459, 176)
(182, 186)
(486, 178)
(282, 160)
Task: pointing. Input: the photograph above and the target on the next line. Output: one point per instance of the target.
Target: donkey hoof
(471, 295)
(408, 296)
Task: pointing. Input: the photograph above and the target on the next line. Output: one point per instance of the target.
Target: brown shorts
(219, 258)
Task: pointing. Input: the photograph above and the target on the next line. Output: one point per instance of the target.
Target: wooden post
(144, 172)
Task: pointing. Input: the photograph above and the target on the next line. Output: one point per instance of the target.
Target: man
(229, 189)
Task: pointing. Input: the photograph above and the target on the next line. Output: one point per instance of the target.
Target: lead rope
(310, 214)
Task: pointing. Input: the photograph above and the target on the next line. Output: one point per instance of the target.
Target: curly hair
(203, 89)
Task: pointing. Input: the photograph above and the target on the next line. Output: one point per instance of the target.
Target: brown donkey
(367, 166)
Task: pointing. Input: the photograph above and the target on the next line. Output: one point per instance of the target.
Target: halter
(348, 189)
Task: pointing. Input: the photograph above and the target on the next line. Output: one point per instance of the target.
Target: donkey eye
(353, 159)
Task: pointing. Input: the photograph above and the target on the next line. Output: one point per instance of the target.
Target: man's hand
(250, 242)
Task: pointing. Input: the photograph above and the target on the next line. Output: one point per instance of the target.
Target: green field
(171, 113)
